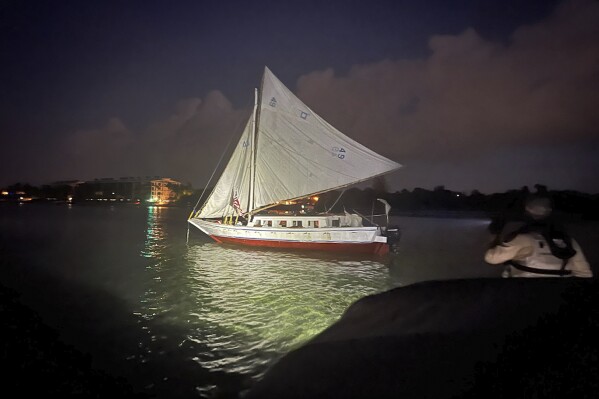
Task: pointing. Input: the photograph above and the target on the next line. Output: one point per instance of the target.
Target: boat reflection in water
(237, 310)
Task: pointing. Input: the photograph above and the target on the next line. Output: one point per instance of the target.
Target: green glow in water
(242, 308)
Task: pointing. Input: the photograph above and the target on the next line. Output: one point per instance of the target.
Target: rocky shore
(36, 363)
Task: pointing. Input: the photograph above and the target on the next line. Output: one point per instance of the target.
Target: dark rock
(37, 363)
(485, 338)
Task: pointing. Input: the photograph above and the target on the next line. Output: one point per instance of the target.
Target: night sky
(486, 95)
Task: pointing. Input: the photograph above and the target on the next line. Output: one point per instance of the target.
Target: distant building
(151, 189)
(164, 190)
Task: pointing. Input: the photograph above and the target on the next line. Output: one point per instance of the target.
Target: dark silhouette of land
(479, 338)
(36, 362)
(442, 202)
(438, 202)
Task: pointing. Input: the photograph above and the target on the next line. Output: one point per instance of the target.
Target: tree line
(441, 201)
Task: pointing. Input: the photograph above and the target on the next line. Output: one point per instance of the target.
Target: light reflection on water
(238, 310)
(155, 233)
(256, 305)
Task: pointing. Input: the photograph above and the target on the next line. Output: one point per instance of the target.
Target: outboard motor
(393, 234)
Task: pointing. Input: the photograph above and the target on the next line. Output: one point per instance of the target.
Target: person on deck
(538, 247)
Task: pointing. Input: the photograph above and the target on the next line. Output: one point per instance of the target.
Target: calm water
(198, 319)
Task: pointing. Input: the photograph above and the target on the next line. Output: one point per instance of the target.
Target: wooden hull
(364, 240)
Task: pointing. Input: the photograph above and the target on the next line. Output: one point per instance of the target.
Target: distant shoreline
(425, 213)
(93, 203)
(471, 214)
(421, 213)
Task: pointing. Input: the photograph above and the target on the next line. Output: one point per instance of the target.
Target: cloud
(105, 141)
(472, 96)
(99, 150)
(185, 144)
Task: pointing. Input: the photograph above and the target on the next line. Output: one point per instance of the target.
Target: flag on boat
(387, 206)
(236, 204)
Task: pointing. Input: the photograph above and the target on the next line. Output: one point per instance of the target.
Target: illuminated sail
(297, 154)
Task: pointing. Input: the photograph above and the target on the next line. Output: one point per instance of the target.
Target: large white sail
(297, 154)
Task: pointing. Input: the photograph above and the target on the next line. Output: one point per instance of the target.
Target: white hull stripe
(340, 235)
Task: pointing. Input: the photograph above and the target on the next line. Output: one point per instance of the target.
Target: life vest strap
(560, 272)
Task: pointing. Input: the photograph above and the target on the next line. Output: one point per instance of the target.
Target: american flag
(235, 203)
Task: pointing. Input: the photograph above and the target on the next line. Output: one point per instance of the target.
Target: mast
(253, 153)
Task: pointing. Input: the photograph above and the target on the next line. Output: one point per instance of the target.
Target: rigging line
(335, 203)
(213, 172)
(325, 191)
(219, 161)
(365, 218)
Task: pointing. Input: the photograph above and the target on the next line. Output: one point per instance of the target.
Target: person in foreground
(538, 247)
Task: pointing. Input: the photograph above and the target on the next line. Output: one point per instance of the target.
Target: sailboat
(287, 153)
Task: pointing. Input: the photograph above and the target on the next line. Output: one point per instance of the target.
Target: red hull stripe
(370, 248)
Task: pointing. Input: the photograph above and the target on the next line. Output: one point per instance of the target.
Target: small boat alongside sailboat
(289, 153)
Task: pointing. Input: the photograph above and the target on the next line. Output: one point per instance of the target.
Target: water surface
(180, 318)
